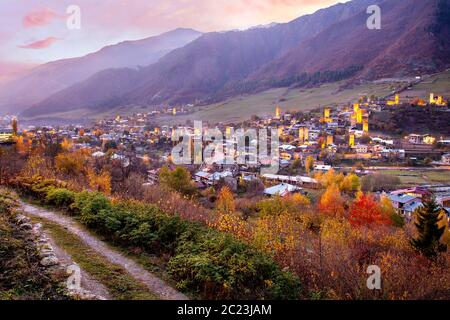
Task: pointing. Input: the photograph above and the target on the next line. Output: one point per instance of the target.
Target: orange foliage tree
(100, 182)
(332, 203)
(71, 164)
(365, 211)
(225, 202)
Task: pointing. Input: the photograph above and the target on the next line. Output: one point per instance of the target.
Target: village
(332, 138)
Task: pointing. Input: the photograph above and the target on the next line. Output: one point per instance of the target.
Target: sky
(33, 32)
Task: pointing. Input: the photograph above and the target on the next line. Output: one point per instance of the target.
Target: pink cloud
(41, 44)
(39, 18)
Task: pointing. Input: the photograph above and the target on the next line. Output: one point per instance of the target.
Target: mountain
(403, 46)
(47, 79)
(329, 45)
(200, 68)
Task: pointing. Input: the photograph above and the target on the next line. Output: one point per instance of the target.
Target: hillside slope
(330, 45)
(204, 66)
(47, 79)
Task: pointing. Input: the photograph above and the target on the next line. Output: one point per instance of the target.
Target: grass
(262, 104)
(21, 275)
(243, 107)
(420, 176)
(438, 84)
(116, 279)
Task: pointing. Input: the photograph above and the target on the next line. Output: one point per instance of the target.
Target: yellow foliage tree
(350, 183)
(388, 211)
(225, 202)
(332, 203)
(100, 182)
(293, 204)
(338, 231)
(331, 178)
(231, 223)
(228, 220)
(66, 144)
(298, 199)
(443, 222)
(309, 164)
(37, 165)
(23, 146)
(276, 233)
(72, 163)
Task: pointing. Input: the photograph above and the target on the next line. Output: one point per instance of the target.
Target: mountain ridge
(330, 45)
(52, 77)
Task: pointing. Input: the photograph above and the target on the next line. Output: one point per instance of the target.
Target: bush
(206, 261)
(220, 267)
(88, 205)
(60, 197)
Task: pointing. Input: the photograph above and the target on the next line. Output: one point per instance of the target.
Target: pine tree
(428, 240)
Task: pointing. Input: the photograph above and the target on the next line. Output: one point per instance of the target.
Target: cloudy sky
(35, 31)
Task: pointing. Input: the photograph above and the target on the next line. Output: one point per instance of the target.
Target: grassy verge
(21, 275)
(119, 283)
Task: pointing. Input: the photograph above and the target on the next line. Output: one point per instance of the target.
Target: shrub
(60, 197)
(89, 205)
(204, 260)
(218, 266)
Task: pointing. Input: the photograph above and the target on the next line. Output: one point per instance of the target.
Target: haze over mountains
(329, 45)
(52, 77)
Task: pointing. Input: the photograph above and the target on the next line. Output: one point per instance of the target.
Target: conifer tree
(429, 233)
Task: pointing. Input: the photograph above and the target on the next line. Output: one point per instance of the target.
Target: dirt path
(87, 282)
(155, 284)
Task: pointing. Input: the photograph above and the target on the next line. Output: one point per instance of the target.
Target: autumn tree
(276, 233)
(388, 210)
(309, 164)
(37, 165)
(14, 126)
(225, 202)
(23, 146)
(429, 233)
(443, 223)
(178, 180)
(72, 163)
(66, 144)
(350, 183)
(100, 182)
(332, 203)
(331, 178)
(228, 220)
(366, 212)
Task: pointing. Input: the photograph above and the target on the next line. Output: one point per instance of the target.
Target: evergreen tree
(427, 226)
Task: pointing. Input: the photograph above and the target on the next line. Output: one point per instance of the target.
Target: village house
(281, 190)
(405, 204)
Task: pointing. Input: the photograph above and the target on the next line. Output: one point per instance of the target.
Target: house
(322, 167)
(123, 160)
(446, 159)
(211, 179)
(6, 135)
(405, 204)
(361, 148)
(98, 154)
(297, 180)
(281, 190)
(420, 139)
